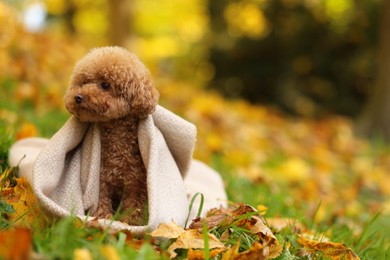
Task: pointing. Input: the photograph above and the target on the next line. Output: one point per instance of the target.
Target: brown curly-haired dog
(111, 87)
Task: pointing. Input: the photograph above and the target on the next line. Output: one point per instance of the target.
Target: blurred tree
(308, 57)
(119, 18)
(69, 13)
(376, 117)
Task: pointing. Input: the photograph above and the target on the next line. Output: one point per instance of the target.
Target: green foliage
(5, 143)
(7, 179)
(311, 58)
(206, 250)
(368, 237)
(192, 204)
(5, 209)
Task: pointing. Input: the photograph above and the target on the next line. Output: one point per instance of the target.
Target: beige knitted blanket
(64, 171)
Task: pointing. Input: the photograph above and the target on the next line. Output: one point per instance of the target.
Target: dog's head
(110, 83)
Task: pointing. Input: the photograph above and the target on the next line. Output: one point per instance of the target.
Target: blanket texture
(64, 171)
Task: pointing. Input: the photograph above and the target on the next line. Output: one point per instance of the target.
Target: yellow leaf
(262, 209)
(82, 254)
(257, 251)
(27, 130)
(334, 251)
(386, 207)
(193, 239)
(231, 253)
(168, 230)
(246, 18)
(23, 200)
(109, 252)
(214, 141)
(281, 223)
(294, 169)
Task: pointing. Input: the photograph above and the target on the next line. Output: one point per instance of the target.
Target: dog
(111, 87)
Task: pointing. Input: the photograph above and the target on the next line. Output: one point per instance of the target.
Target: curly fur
(111, 87)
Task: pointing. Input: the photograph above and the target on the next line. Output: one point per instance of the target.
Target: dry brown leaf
(270, 245)
(210, 221)
(222, 216)
(168, 230)
(15, 244)
(193, 239)
(244, 216)
(225, 235)
(334, 251)
(243, 209)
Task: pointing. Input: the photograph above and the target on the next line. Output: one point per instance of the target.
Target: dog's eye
(105, 85)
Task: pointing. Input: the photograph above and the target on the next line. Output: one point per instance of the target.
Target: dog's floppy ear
(143, 98)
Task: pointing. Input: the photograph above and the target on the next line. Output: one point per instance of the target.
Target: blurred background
(307, 57)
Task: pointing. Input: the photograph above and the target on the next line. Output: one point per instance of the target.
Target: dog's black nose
(79, 99)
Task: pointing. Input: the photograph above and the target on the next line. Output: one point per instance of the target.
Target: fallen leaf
(277, 224)
(198, 254)
(231, 253)
(168, 230)
(24, 202)
(193, 239)
(109, 252)
(270, 246)
(210, 221)
(15, 244)
(8, 180)
(257, 251)
(225, 235)
(294, 169)
(82, 254)
(222, 216)
(133, 242)
(243, 216)
(243, 209)
(262, 209)
(334, 251)
(26, 130)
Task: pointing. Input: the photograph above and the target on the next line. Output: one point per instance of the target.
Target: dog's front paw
(103, 212)
(133, 217)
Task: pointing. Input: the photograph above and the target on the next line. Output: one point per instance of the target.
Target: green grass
(372, 243)
(6, 140)
(60, 239)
